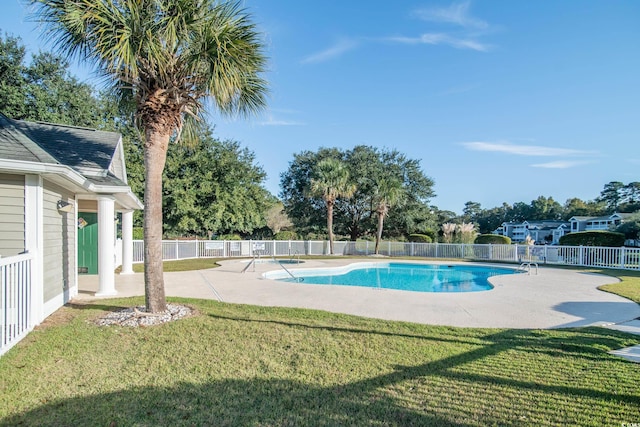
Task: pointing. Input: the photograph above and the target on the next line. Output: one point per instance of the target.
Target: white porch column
(106, 246)
(127, 242)
(34, 242)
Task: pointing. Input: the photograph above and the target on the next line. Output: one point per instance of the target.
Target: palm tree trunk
(330, 225)
(379, 233)
(155, 155)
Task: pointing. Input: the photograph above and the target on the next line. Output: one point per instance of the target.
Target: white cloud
(524, 150)
(560, 164)
(457, 13)
(334, 51)
(275, 122)
(446, 39)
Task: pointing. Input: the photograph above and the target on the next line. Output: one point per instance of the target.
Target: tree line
(614, 197)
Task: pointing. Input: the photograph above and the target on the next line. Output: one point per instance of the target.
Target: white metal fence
(586, 256)
(15, 300)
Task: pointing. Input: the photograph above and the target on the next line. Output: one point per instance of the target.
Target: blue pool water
(402, 276)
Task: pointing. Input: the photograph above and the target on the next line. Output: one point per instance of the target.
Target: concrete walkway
(555, 298)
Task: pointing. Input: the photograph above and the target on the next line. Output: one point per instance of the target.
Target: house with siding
(539, 231)
(595, 223)
(51, 178)
(552, 231)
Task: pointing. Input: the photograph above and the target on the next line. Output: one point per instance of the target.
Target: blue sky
(501, 100)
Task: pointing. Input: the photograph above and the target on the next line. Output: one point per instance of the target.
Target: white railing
(585, 256)
(15, 300)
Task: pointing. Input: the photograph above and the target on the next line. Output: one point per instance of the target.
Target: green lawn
(240, 365)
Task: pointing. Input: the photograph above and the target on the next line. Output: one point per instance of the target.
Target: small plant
(593, 238)
(495, 239)
(285, 235)
(465, 232)
(420, 238)
(448, 230)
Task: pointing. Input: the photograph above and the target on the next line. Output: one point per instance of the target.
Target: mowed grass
(183, 265)
(235, 365)
(628, 287)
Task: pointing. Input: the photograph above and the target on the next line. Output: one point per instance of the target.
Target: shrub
(285, 235)
(233, 236)
(431, 233)
(593, 238)
(420, 238)
(494, 239)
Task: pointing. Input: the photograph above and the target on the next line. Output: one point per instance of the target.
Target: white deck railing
(585, 256)
(15, 300)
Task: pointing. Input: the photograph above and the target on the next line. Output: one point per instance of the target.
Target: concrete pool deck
(555, 298)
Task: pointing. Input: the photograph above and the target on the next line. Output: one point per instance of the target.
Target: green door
(87, 243)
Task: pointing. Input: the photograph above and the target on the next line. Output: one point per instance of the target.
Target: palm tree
(169, 56)
(388, 193)
(331, 182)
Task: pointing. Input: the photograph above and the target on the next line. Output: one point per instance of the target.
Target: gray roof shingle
(14, 145)
(79, 148)
(89, 152)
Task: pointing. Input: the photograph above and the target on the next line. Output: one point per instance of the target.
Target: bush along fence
(584, 256)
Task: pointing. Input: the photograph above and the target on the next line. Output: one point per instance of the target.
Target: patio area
(554, 298)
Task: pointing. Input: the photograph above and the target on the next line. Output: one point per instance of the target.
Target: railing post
(490, 252)
(437, 249)
(389, 248)
(197, 249)
(623, 256)
(515, 255)
(177, 250)
(412, 251)
(274, 248)
(224, 249)
(580, 256)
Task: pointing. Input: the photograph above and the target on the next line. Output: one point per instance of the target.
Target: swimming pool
(402, 276)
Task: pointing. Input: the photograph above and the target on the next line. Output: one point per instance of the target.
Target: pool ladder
(526, 266)
(297, 279)
(257, 257)
(252, 262)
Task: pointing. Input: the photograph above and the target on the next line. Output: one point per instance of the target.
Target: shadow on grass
(408, 395)
(345, 330)
(225, 403)
(92, 305)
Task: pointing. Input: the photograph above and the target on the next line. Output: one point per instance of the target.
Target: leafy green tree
(355, 216)
(630, 227)
(545, 208)
(54, 96)
(490, 219)
(578, 207)
(277, 218)
(44, 90)
(612, 195)
(388, 193)
(520, 212)
(331, 182)
(307, 213)
(471, 211)
(631, 193)
(12, 81)
(213, 187)
(169, 55)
